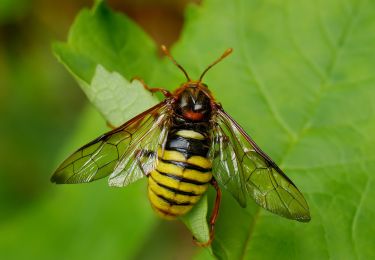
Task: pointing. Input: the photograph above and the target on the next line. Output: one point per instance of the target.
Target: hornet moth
(182, 145)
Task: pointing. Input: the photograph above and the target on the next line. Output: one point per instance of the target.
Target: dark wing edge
(242, 168)
(121, 151)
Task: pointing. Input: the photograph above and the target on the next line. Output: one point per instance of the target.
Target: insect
(182, 145)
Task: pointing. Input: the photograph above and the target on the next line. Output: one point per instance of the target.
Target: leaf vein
(258, 83)
(356, 215)
(322, 87)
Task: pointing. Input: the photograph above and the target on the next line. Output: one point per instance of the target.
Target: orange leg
(165, 92)
(214, 215)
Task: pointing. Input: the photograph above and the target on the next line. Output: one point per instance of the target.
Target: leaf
(196, 220)
(300, 81)
(101, 35)
(116, 98)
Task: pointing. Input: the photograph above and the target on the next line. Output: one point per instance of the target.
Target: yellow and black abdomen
(182, 173)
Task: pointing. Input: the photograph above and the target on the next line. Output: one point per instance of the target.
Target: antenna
(166, 52)
(225, 54)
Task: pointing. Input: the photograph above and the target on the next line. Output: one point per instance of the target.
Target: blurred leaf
(35, 118)
(12, 10)
(203, 254)
(81, 221)
(300, 82)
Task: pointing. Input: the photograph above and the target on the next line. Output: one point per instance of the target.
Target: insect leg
(224, 141)
(214, 215)
(141, 154)
(165, 92)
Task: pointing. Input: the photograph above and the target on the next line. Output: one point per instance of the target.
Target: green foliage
(100, 36)
(196, 220)
(115, 97)
(81, 221)
(300, 82)
(12, 10)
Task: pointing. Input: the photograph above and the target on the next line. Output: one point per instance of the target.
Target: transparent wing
(242, 168)
(125, 152)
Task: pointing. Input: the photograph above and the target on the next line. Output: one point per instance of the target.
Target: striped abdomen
(181, 175)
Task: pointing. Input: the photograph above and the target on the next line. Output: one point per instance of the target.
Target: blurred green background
(41, 111)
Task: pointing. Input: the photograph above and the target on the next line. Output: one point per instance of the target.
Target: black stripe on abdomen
(171, 201)
(177, 191)
(187, 146)
(186, 165)
(181, 179)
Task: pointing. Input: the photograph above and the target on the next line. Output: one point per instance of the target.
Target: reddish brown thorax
(193, 103)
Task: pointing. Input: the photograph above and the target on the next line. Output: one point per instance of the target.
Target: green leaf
(300, 82)
(116, 98)
(100, 36)
(196, 220)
